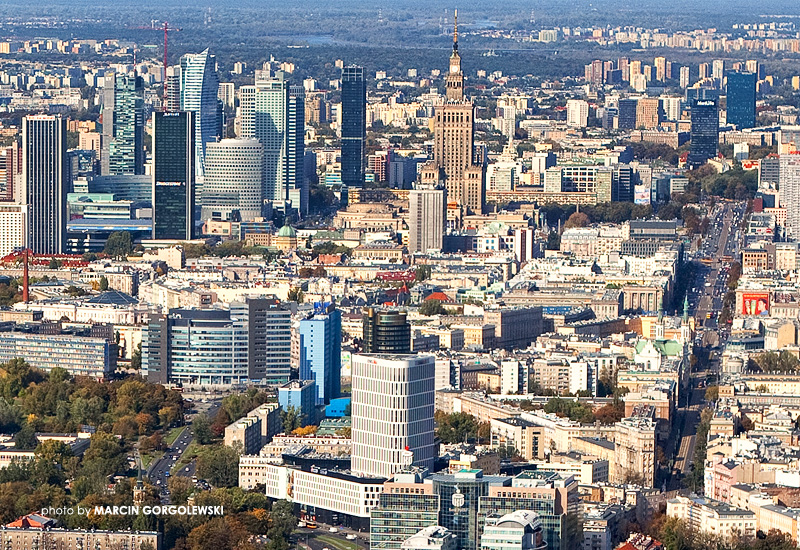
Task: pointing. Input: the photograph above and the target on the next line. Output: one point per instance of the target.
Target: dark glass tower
(741, 98)
(46, 178)
(173, 175)
(386, 332)
(627, 114)
(354, 125)
(705, 131)
(123, 125)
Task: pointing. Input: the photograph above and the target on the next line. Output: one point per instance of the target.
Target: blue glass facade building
(321, 353)
(741, 99)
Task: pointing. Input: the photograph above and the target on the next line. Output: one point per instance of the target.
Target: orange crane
(167, 30)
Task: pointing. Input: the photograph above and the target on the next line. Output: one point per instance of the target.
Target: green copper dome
(287, 231)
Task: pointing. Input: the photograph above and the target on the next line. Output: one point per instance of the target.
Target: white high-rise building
(789, 178)
(392, 413)
(427, 217)
(577, 113)
(273, 112)
(234, 174)
(227, 94)
(684, 82)
(13, 227)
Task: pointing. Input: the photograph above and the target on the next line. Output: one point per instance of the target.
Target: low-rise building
(713, 517)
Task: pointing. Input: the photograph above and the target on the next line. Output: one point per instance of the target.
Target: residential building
(789, 181)
(174, 189)
(713, 517)
(36, 531)
(577, 113)
(245, 434)
(392, 413)
(13, 227)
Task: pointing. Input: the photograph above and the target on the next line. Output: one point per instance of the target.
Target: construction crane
(167, 30)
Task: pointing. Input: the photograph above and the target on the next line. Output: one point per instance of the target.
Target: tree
(103, 284)
(432, 307)
(456, 427)
(220, 466)
(423, 273)
(571, 409)
(611, 413)
(54, 264)
(202, 429)
(553, 241)
(119, 244)
(292, 419)
(712, 393)
(577, 219)
(296, 295)
(136, 357)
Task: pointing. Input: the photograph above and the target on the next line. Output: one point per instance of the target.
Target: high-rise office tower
(386, 332)
(172, 102)
(268, 323)
(199, 89)
(273, 112)
(684, 77)
(427, 219)
(173, 175)
(627, 114)
(354, 125)
(234, 175)
(741, 99)
(123, 126)
(705, 131)
(454, 143)
(321, 352)
(46, 181)
(392, 413)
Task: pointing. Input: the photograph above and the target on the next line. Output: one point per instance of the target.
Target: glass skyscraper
(741, 99)
(705, 131)
(321, 353)
(123, 123)
(354, 125)
(173, 175)
(199, 89)
(46, 178)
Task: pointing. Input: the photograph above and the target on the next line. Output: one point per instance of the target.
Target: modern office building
(392, 413)
(123, 125)
(81, 351)
(269, 334)
(741, 99)
(386, 332)
(427, 219)
(193, 347)
(705, 131)
(173, 101)
(233, 179)
(454, 160)
(433, 537)
(199, 90)
(519, 530)
(354, 125)
(300, 395)
(577, 113)
(402, 511)
(321, 352)
(45, 176)
(174, 185)
(273, 112)
(590, 179)
(627, 108)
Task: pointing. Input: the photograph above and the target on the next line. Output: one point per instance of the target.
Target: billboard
(755, 303)
(641, 194)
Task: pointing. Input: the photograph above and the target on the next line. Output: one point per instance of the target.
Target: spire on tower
(686, 309)
(455, 30)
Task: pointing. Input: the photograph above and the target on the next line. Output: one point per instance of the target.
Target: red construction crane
(167, 30)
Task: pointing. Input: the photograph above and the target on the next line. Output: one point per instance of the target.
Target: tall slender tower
(174, 202)
(46, 181)
(199, 90)
(454, 143)
(354, 125)
(123, 125)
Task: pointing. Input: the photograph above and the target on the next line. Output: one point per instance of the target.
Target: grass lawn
(193, 451)
(148, 459)
(335, 542)
(173, 434)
